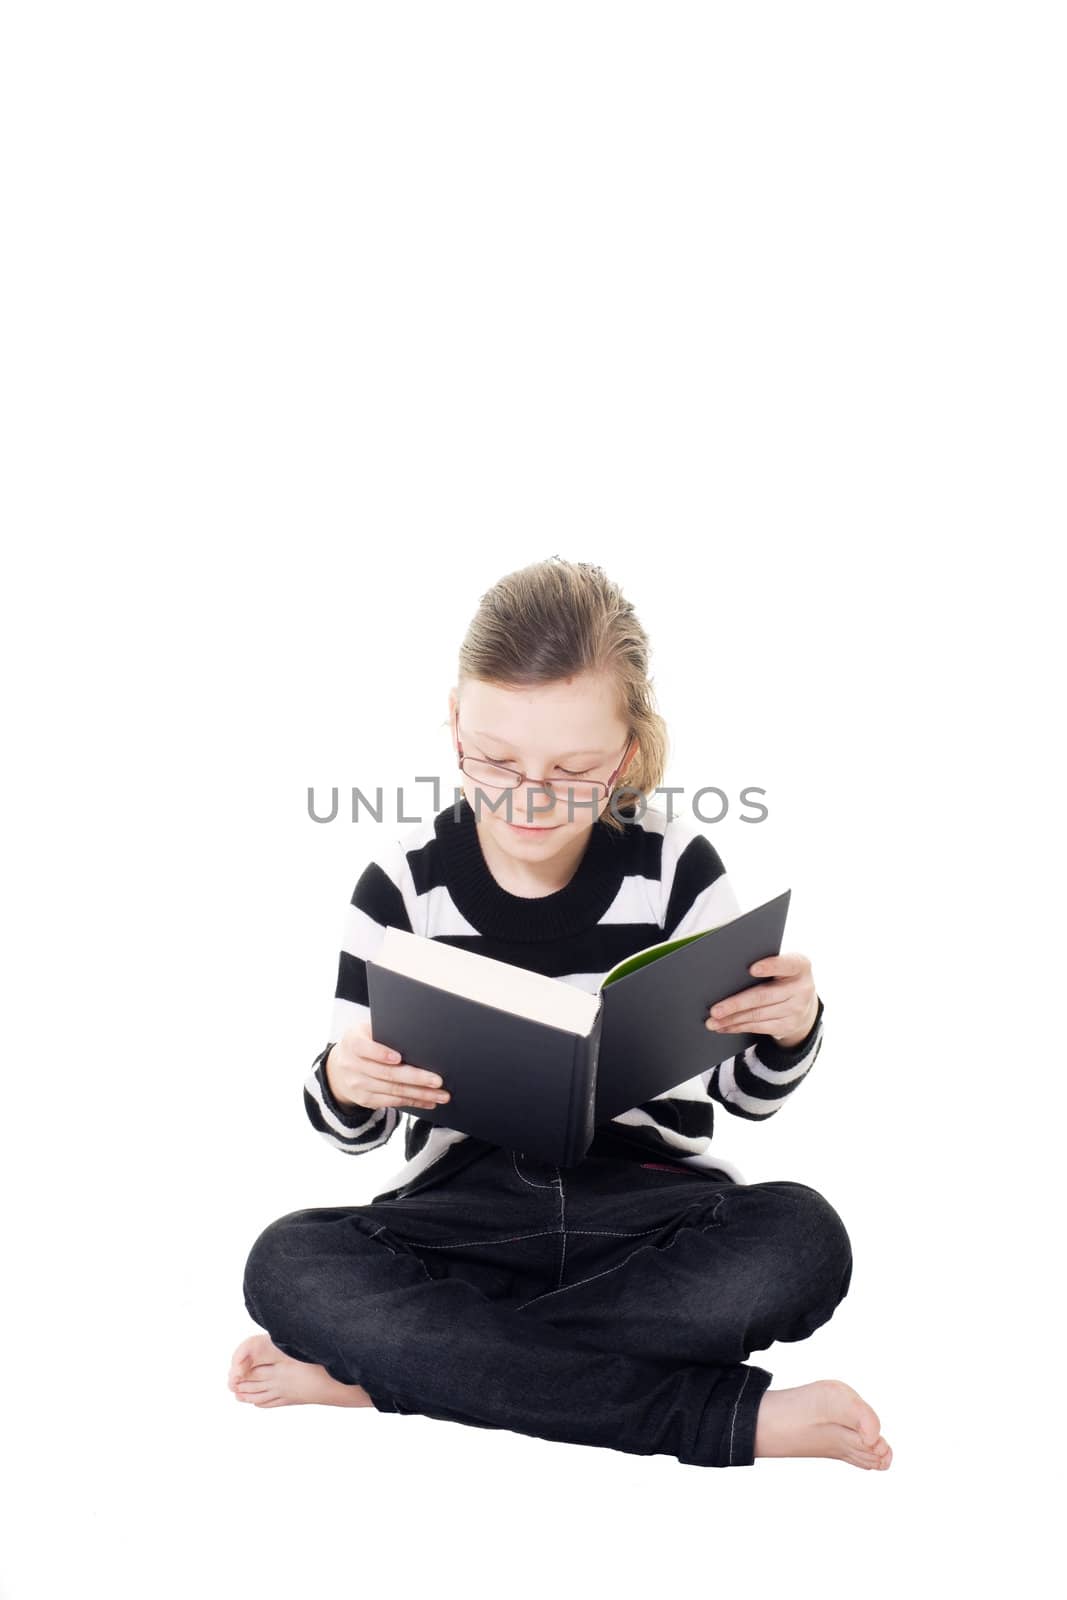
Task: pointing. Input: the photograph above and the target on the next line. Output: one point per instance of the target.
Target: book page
(653, 953)
(493, 983)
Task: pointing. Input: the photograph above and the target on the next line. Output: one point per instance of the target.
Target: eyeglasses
(577, 791)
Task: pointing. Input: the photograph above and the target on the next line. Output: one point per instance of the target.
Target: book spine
(581, 1121)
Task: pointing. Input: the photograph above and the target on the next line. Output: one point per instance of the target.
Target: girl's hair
(557, 618)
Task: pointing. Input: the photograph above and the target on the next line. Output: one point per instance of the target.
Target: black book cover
(543, 1090)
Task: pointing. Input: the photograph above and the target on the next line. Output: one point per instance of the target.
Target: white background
(317, 320)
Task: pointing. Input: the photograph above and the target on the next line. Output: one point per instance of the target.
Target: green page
(643, 957)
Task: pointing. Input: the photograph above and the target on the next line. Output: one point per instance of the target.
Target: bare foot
(825, 1418)
(266, 1376)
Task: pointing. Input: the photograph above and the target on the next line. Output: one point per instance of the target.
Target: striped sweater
(658, 879)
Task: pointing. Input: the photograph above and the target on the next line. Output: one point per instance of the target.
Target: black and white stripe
(659, 879)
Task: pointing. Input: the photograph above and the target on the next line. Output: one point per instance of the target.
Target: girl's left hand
(785, 1008)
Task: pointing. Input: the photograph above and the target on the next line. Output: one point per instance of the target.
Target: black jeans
(611, 1303)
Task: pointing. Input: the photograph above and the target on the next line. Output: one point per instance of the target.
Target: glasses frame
(544, 783)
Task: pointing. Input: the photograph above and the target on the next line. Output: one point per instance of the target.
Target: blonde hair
(554, 619)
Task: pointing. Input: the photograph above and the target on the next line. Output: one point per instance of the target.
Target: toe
(244, 1355)
(846, 1440)
(868, 1427)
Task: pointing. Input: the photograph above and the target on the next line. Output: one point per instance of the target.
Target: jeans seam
(733, 1416)
(619, 1265)
(530, 1181)
(618, 1233)
(380, 1229)
(455, 1244)
(608, 1233)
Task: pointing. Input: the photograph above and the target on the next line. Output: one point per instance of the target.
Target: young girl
(616, 1302)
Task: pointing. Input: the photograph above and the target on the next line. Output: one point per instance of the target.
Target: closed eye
(509, 762)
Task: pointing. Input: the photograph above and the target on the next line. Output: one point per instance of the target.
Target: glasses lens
(487, 775)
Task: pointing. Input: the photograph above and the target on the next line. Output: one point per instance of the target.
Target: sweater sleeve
(697, 895)
(380, 899)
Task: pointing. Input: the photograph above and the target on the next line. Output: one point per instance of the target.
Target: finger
(418, 1075)
(400, 1102)
(370, 1050)
(406, 1073)
(759, 994)
(742, 1021)
(788, 965)
(391, 1094)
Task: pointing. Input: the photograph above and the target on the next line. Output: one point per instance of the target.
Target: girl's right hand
(363, 1073)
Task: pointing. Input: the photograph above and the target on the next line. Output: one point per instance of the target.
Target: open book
(535, 1064)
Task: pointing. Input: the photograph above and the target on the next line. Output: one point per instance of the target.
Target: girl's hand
(785, 1008)
(361, 1072)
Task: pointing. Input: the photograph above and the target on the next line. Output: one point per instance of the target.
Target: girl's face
(562, 733)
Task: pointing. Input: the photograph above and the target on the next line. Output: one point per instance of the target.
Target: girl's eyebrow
(496, 739)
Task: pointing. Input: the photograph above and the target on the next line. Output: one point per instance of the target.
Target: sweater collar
(494, 911)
